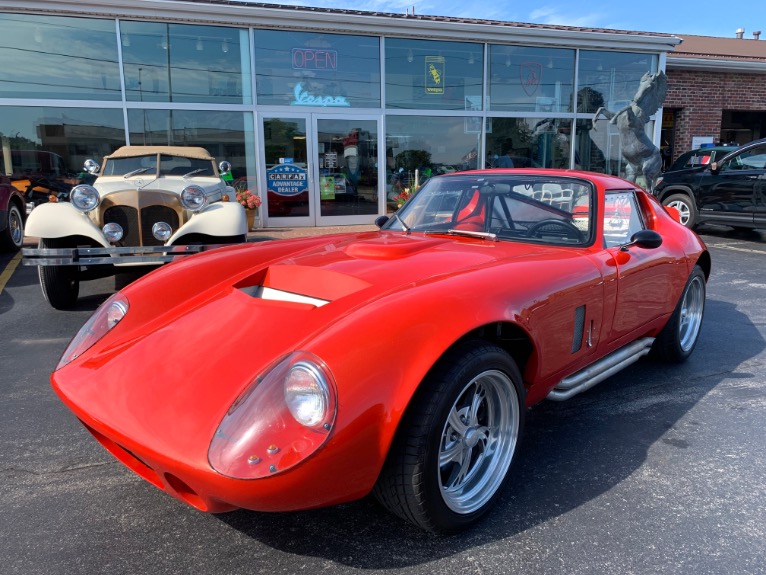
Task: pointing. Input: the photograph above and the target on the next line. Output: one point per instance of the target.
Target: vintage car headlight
(280, 420)
(112, 232)
(193, 198)
(84, 197)
(108, 315)
(162, 231)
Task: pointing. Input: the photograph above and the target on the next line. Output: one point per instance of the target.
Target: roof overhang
(710, 65)
(224, 13)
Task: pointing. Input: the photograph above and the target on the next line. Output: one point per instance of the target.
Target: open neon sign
(309, 59)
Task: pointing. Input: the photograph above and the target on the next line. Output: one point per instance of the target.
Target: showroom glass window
(531, 79)
(529, 142)
(53, 143)
(610, 79)
(422, 146)
(225, 135)
(317, 69)
(59, 58)
(434, 75)
(185, 63)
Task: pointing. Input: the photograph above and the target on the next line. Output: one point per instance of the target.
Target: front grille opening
(127, 218)
(185, 492)
(127, 458)
(150, 215)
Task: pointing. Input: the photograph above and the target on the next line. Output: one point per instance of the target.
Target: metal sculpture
(643, 157)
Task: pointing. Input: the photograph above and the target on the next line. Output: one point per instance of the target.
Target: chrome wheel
(478, 441)
(692, 308)
(683, 211)
(16, 226)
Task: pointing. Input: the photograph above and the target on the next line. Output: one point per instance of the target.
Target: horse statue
(643, 157)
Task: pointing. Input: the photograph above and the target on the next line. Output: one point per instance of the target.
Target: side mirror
(91, 167)
(224, 167)
(380, 221)
(646, 239)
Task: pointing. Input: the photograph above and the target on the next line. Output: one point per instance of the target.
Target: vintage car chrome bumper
(115, 255)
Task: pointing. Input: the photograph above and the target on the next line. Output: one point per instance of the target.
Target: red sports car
(301, 373)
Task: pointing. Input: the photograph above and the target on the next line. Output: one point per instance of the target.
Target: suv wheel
(685, 206)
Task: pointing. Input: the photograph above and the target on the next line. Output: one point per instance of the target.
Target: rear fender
(61, 220)
(218, 219)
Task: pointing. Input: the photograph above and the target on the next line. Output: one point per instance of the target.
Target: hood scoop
(305, 285)
(390, 247)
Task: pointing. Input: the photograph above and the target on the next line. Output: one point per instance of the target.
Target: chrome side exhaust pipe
(602, 369)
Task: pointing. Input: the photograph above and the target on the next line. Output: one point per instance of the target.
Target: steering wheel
(555, 226)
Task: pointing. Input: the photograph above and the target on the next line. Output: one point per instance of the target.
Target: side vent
(579, 325)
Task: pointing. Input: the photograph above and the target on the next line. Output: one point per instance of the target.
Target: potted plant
(251, 202)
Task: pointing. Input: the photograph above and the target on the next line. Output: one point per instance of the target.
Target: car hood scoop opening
(300, 284)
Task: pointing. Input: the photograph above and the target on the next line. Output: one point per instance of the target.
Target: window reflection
(435, 75)
(185, 63)
(610, 79)
(420, 146)
(48, 146)
(57, 57)
(528, 142)
(225, 135)
(531, 79)
(308, 69)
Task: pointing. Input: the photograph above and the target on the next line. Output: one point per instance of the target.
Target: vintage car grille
(137, 222)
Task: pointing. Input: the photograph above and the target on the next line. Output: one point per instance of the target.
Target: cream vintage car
(149, 205)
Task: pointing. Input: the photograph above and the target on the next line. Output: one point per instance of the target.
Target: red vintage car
(294, 374)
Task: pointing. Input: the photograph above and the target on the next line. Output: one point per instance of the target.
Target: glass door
(288, 197)
(346, 160)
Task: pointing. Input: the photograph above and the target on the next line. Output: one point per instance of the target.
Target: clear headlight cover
(193, 198)
(112, 232)
(281, 419)
(108, 315)
(84, 197)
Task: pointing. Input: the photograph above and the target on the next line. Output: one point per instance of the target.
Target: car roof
(182, 151)
(608, 181)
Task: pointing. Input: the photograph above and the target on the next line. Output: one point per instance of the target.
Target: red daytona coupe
(398, 362)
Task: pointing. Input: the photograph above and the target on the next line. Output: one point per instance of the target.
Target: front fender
(61, 220)
(218, 219)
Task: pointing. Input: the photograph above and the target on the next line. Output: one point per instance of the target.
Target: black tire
(678, 338)
(60, 284)
(12, 237)
(457, 441)
(686, 208)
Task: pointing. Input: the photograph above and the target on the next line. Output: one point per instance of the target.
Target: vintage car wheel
(677, 339)
(60, 284)
(457, 440)
(686, 208)
(12, 236)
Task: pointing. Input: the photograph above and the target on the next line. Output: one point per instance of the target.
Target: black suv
(729, 191)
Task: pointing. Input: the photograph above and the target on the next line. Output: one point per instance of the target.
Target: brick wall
(700, 98)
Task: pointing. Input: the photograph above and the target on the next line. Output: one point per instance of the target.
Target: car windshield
(169, 166)
(528, 208)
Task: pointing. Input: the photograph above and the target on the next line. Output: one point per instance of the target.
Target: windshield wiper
(194, 172)
(472, 234)
(401, 221)
(135, 172)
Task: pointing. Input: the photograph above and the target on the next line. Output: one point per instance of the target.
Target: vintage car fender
(60, 220)
(218, 219)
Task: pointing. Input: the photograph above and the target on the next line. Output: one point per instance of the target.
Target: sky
(702, 17)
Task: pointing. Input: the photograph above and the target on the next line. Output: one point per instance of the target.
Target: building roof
(744, 49)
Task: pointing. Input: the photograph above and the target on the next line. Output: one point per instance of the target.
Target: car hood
(199, 331)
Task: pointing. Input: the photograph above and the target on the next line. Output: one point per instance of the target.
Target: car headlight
(282, 418)
(84, 197)
(658, 181)
(162, 231)
(113, 232)
(100, 323)
(193, 198)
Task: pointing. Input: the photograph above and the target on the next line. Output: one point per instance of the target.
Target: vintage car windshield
(169, 166)
(519, 207)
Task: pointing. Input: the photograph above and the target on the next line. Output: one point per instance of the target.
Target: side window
(622, 218)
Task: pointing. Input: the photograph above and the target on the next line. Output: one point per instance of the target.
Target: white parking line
(734, 248)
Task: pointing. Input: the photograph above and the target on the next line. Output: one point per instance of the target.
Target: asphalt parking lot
(657, 470)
